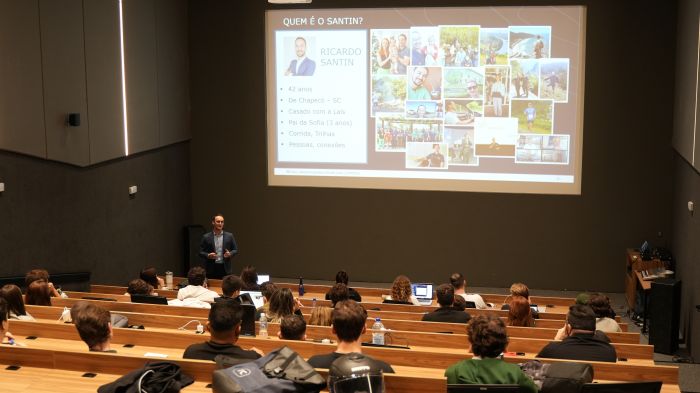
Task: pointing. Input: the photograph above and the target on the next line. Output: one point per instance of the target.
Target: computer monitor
(623, 387)
(474, 388)
(422, 290)
(263, 278)
(256, 296)
(149, 299)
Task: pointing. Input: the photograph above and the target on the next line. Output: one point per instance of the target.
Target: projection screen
(486, 99)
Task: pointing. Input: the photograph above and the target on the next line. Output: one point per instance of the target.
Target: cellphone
(89, 375)
(13, 368)
(622, 359)
(31, 338)
(128, 345)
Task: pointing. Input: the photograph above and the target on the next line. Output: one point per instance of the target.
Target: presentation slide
(485, 99)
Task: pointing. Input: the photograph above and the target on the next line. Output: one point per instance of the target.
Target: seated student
(342, 278)
(5, 336)
(94, 326)
(292, 327)
(231, 286)
(578, 339)
(267, 289)
(321, 316)
(519, 289)
(349, 319)
(195, 294)
(250, 278)
(459, 304)
(604, 313)
(150, 275)
(338, 292)
(42, 275)
(38, 294)
(282, 304)
(401, 292)
(13, 296)
(520, 313)
(224, 324)
(488, 339)
(446, 313)
(459, 283)
(138, 286)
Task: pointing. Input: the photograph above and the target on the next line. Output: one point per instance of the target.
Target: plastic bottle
(169, 279)
(301, 287)
(263, 326)
(378, 332)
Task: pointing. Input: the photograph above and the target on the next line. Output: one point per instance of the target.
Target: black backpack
(280, 371)
(559, 377)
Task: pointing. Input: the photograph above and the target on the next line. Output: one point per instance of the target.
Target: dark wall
(68, 219)
(558, 242)
(686, 248)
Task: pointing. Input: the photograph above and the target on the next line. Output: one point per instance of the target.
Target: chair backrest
(148, 299)
(623, 387)
(475, 388)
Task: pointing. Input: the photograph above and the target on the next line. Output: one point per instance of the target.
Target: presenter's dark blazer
(207, 246)
(306, 68)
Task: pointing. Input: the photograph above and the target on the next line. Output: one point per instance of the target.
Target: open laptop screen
(257, 297)
(263, 278)
(422, 290)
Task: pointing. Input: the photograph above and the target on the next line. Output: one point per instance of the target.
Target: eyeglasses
(471, 87)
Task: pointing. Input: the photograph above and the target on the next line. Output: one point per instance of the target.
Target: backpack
(280, 371)
(154, 377)
(559, 377)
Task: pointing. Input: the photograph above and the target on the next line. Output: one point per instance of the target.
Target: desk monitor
(263, 278)
(148, 299)
(474, 388)
(623, 387)
(256, 296)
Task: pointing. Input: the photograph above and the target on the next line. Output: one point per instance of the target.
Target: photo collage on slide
(447, 95)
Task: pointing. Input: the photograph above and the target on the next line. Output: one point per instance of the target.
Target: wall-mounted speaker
(74, 119)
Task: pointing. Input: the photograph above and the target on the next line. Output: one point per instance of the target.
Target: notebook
(423, 292)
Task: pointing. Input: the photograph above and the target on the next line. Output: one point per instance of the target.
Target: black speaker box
(74, 119)
(665, 310)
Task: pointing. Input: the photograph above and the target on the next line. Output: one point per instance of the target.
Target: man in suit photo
(217, 248)
(302, 65)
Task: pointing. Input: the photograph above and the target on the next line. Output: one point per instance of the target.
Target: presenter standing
(217, 248)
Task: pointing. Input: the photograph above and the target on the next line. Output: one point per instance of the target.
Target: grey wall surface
(65, 57)
(558, 242)
(68, 219)
(686, 248)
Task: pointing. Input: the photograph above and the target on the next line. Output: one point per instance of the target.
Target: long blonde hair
(321, 316)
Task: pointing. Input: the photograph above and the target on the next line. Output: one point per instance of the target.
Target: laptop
(149, 299)
(622, 387)
(475, 388)
(263, 278)
(423, 292)
(256, 296)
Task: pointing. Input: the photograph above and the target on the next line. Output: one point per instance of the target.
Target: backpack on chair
(280, 371)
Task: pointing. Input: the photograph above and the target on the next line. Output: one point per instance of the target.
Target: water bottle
(169, 279)
(378, 332)
(263, 326)
(301, 287)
